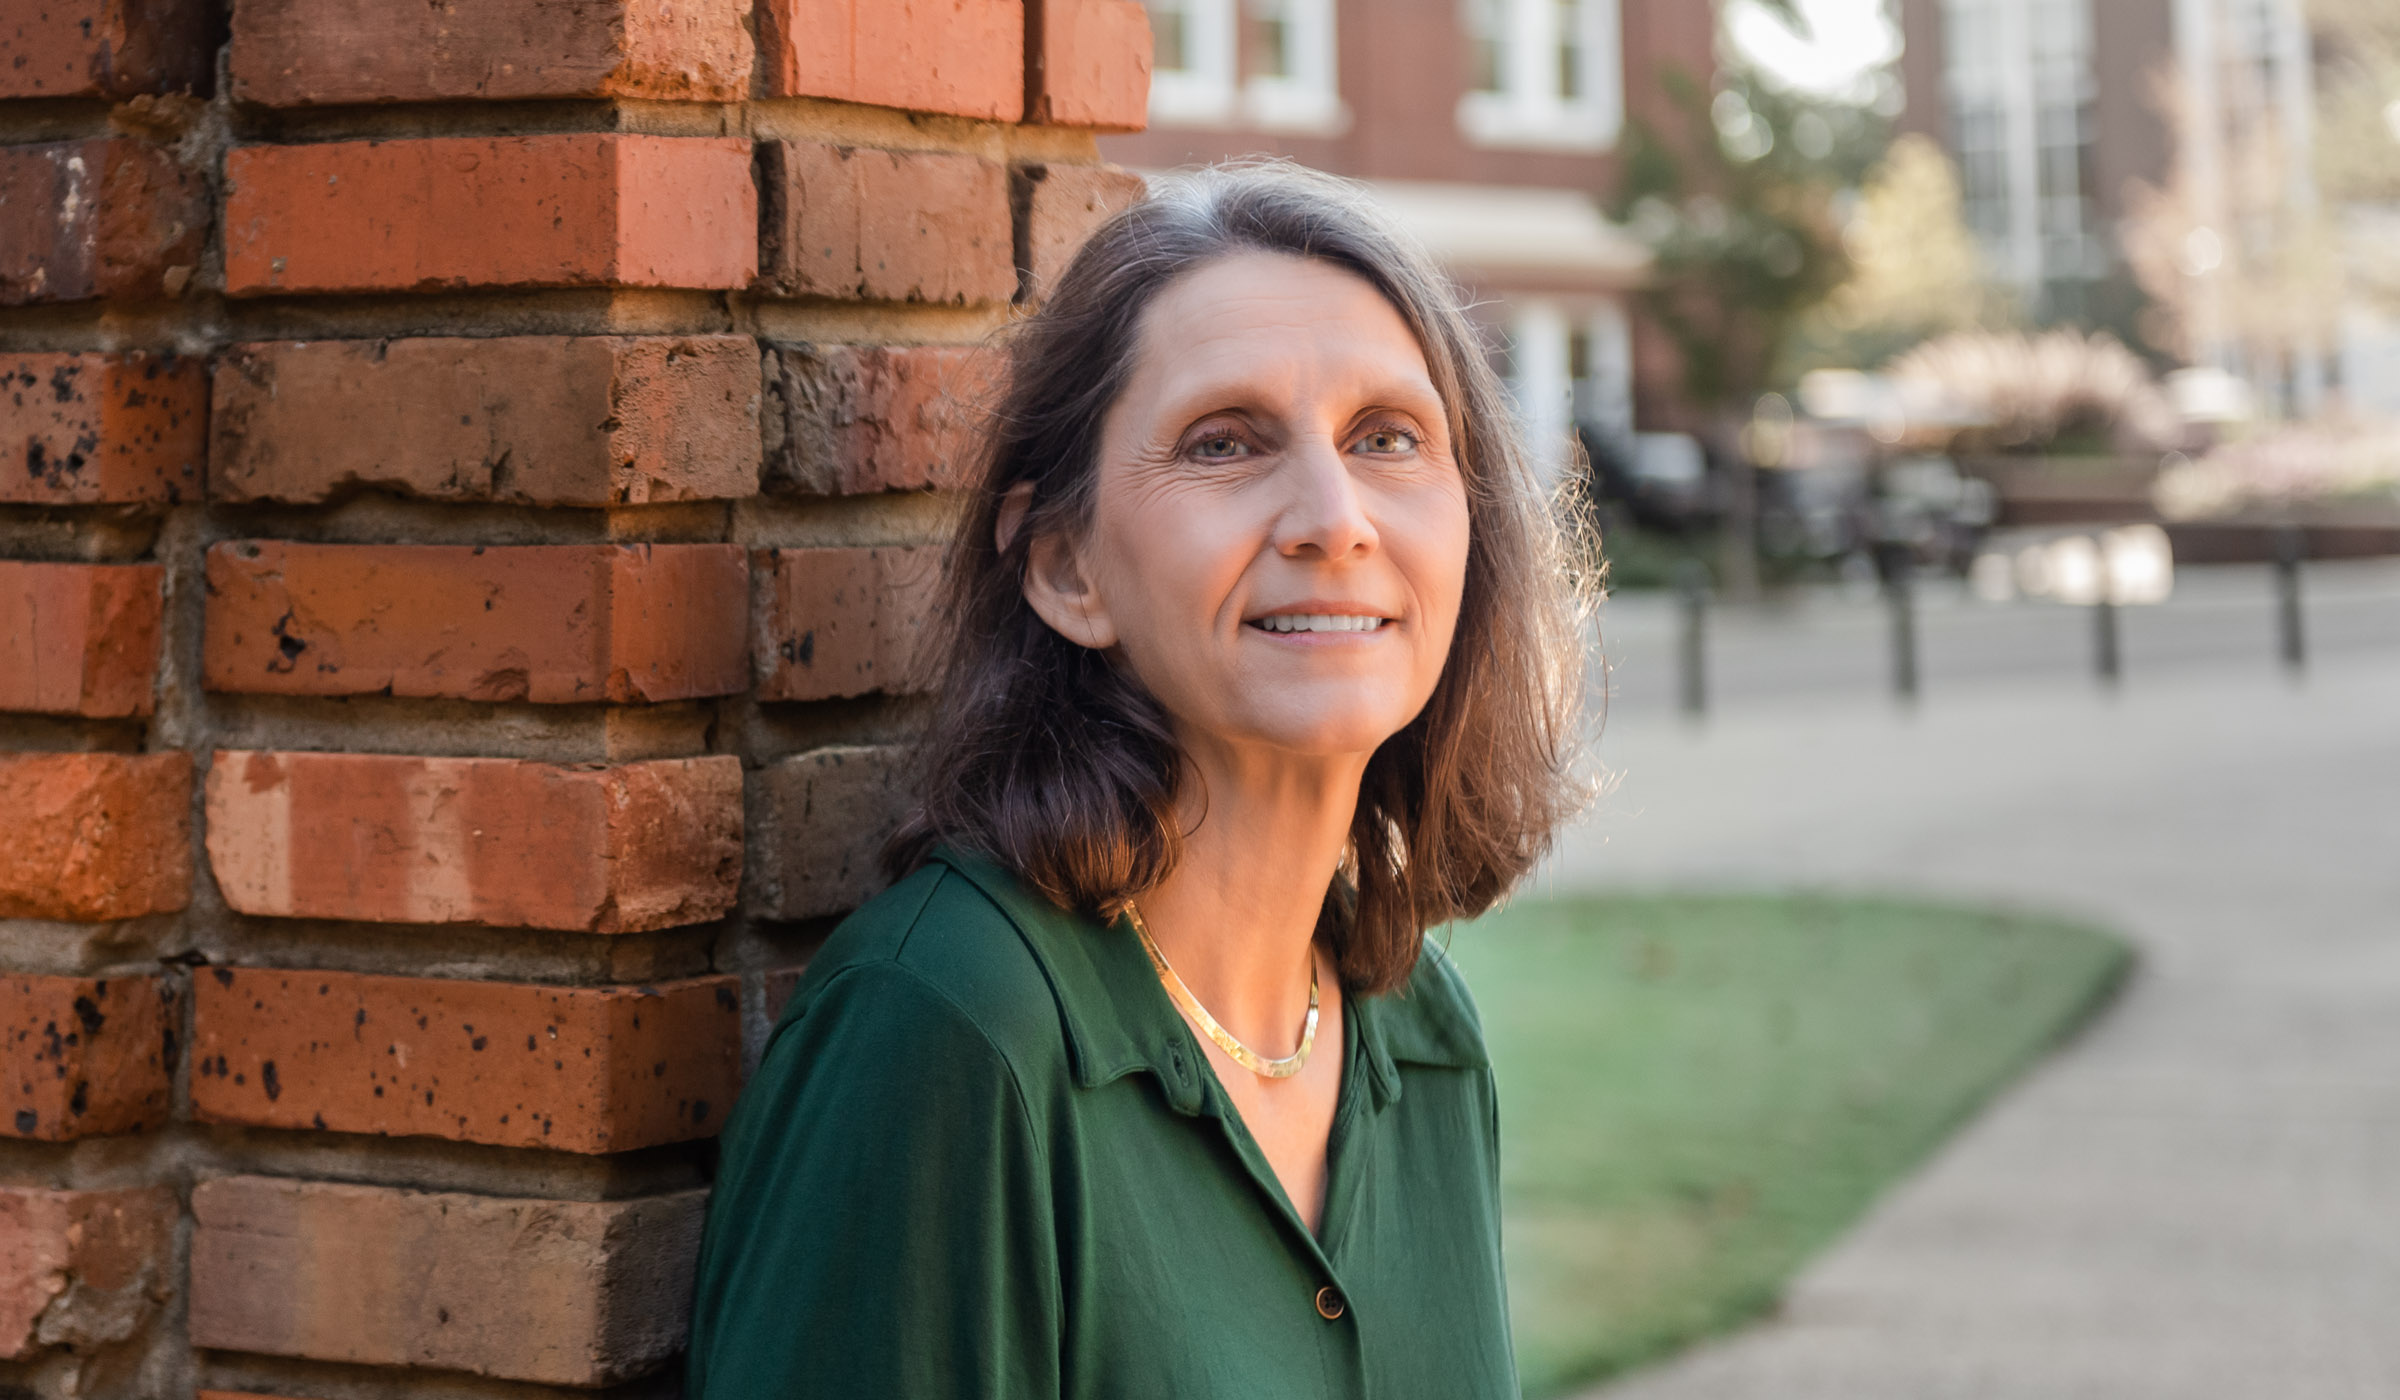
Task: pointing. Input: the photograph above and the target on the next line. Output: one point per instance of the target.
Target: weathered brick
(845, 419)
(823, 817)
(285, 53)
(537, 420)
(1059, 206)
(102, 428)
(94, 836)
(850, 222)
(959, 56)
(547, 623)
(439, 213)
(81, 1268)
(575, 1069)
(108, 216)
(578, 1293)
(476, 840)
(103, 48)
(842, 621)
(85, 1055)
(1088, 64)
(79, 639)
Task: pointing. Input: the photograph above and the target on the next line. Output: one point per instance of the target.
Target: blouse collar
(1118, 1019)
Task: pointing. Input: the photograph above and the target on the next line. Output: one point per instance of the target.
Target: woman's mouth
(1319, 622)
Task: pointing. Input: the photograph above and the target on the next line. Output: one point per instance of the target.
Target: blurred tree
(1915, 272)
(2358, 130)
(2243, 266)
(1736, 203)
(2358, 100)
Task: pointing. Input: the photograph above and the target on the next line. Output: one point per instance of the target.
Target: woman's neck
(1238, 917)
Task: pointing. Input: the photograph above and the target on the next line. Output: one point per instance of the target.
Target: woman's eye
(1218, 446)
(1388, 440)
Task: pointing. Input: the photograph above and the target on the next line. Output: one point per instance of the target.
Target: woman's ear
(1058, 584)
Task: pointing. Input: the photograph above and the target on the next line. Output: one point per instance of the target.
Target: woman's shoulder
(936, 946)
(1431, 1018)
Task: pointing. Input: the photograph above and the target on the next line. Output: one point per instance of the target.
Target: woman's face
(1279, 537)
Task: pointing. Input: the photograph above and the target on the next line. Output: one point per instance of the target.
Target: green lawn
(1699, 1092)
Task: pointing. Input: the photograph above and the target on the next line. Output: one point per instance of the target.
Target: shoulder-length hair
(1053, 760)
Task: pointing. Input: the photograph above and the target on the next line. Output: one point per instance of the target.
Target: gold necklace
(1243, 1055)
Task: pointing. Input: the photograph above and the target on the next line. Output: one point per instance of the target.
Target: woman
(1144, 1080)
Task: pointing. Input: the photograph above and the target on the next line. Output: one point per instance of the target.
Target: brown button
(1330, 1304)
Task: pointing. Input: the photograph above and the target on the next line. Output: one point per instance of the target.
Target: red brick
(102, 428)
(845, 419)
(534, 420)
(552, 624)
(959, 56)
(81, 1268)
(1088, 64)
(94, 836)
(395, 838)
(79, 639)
(85, 1055)
(104, 217)
(103, 48)
(575, 1069)
(1061, 205)
(846, 221)
(289, 53)
(477, 211)
(574, 1293)
(842, 621)
(823, 818)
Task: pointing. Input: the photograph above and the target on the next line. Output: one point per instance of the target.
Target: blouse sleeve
(882, 1223)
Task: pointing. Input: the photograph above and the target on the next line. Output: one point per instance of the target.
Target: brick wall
(467, 474)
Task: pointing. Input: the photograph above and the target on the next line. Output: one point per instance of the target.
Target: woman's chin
(1324, 736)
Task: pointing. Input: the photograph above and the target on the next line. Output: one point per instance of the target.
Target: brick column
(468, 494)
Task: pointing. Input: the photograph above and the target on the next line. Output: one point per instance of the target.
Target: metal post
(1691, 591)
(1899, 595)
(2291, 545)
(2106, 662)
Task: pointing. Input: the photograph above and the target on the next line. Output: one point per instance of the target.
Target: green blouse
(983, 1156)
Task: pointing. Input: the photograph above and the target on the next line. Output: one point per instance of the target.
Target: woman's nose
(1323, 512)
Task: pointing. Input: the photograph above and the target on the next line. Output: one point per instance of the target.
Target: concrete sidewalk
(2201, 1196)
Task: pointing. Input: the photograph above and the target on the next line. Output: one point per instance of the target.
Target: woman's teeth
(1320, 622)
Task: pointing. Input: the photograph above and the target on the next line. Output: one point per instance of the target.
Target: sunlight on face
(1279, 539)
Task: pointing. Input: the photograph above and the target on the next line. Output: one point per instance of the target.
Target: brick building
(1492, 127)
(2053, 109)
(466, 473)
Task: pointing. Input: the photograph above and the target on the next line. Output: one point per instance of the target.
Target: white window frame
(1529, 112)
(1537, 363)
(1202, 94)
(1310, 99)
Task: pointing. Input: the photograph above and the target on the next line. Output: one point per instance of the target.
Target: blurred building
(1491, 127)
(2054, 109)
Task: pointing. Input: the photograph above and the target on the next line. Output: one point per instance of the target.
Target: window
(1568, 368)
(2020, 85)
(1486, 46)
(1541, 73)
(1290, 85)
(1264, 63)
(1192, 61)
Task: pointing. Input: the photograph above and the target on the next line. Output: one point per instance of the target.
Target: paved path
(2200, 1197)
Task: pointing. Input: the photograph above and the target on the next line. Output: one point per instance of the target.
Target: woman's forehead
(1257, 318)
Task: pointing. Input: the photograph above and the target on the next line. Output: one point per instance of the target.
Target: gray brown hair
(1053, 760)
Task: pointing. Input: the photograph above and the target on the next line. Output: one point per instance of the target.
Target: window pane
(1487, 27)
(1271, 38)
(1170, 38)
(1570, 49)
